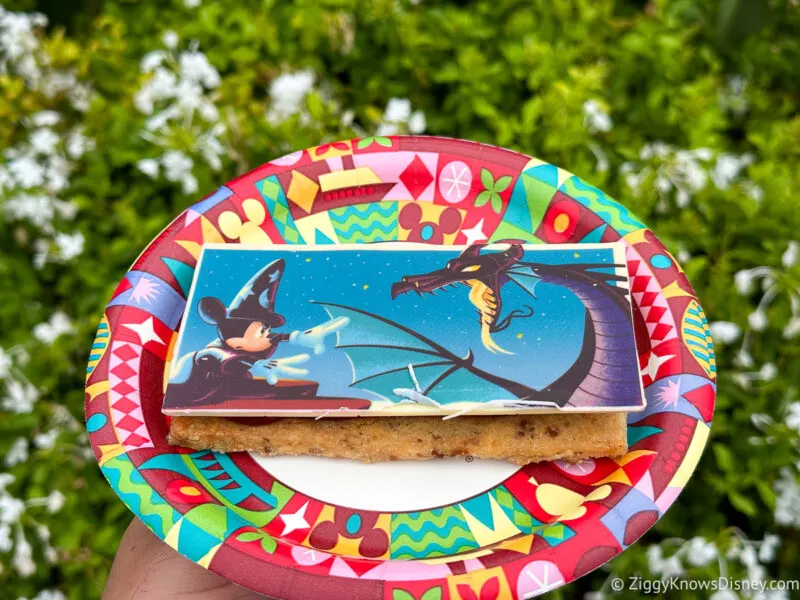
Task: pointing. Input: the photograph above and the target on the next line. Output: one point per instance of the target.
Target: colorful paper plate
(311, 528)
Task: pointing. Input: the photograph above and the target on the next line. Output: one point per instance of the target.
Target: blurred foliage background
(117, 114)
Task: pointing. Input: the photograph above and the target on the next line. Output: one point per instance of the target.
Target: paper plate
(311, 528)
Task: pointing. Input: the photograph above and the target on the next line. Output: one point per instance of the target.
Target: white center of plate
(404, 485)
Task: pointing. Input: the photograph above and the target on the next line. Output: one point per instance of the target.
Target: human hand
(274, 369)
(145, 568)
(314, 338)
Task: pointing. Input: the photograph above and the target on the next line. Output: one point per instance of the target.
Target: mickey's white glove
(314, 338)
(273, 369)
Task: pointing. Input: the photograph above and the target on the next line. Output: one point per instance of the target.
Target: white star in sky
(145, 331)
(295, 520)
(654, 363)
(475, 234)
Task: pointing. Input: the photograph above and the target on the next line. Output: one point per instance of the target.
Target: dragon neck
(483, 298)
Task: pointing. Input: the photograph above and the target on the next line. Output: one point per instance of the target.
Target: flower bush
(116, 116)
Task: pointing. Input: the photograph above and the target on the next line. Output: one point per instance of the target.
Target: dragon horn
(472, 251)
(514, 250)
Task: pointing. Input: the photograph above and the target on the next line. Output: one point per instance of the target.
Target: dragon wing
(385, 355)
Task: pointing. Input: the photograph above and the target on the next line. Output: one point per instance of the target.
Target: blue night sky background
(544, 345)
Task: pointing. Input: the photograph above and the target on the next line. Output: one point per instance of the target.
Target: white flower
(23, 556)
(27, 171)
(58, 325)
(682, 198)
(45, 118)
(768, 371)
(793, 416)
(727, 169)
(287, 92)
(700, 552)
(723, 595)
(743, 359)
(19, 398)
(196, 68)
(6, 479)
(725, 332)
(761, 420)
(792, 328)
(11, 509)
(170, 39)
(50, 595)
(766, 551)
(787, 503)
(149, 167)
(69, 245)
(46, 441)
(758, 320)
(672, 567)
(749, 559)
(595, 118)
(5, 364)
(192, 3)
(791, 255)
(655, 559)
(38, 209)
(5, 538)
(78, 144)
(44, 141)
(756, 192)
(398, 110)
(417, 123)
(663, 184)
(55, 501)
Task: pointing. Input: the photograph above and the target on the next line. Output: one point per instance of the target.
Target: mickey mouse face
(428, 231)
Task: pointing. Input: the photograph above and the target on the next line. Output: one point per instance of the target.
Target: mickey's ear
(211, 310)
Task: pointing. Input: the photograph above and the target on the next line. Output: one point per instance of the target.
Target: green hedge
(686, 110)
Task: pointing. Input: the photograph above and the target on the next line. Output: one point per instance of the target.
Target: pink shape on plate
(406, 570)
(667, 497)
(308, 556)
(579, 469)
(537, 578)
(645, 485)
(289, 159)
(455, 181)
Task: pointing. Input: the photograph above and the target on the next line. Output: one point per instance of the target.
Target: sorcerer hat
(254, 302)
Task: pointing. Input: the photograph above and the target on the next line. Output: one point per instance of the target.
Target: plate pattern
(543, 527)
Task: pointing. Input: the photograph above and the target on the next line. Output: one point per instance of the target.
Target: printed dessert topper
(406, 329)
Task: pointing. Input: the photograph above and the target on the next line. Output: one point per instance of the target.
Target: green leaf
(432, 594)
(487, 179)
(384, 141)
(483, 198)
(364, 142)
(268, 544)
(249, 536)
(211, 518)
(502, 183)
(742, 503)
(497, 202)
(766, 492)
(401, 595)
(724, 457)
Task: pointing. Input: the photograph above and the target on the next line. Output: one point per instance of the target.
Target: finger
(293, 371)
(334, 324)
(293, 360)
(271, 378)
(319, 348)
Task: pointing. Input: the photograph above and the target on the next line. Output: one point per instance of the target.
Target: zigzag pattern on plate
(365, 222)
(139, 496)
(438, 532)
(608, 209)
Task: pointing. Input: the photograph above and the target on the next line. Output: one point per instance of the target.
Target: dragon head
(469, 266)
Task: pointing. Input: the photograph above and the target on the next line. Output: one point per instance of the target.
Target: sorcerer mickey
(246, 341)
